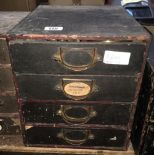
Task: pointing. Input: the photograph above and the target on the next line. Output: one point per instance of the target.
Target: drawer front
(90, 88)
(6, 80)
(4, 53)
(9, 125)
(8, 104)
(69, 137)
(107, 114)
(74, 58)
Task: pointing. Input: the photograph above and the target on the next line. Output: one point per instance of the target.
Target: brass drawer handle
(77, 59)
(77, 89)
(87, 114)
(70, 136)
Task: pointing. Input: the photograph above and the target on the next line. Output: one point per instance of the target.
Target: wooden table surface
(9, 19)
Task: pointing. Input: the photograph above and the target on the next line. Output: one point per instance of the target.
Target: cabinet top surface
(83, 22)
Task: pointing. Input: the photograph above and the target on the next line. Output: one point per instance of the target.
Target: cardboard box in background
(76, 2)
(42, 2)
(92, 2)
(17, 5)
(60, 2)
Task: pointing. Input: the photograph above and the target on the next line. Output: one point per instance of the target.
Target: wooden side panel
(143, 143)
(148, 143)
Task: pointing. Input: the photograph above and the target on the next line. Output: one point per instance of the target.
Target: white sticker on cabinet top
(116, 58)
(53, 28)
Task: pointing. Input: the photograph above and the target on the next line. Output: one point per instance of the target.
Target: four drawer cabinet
(77, 73)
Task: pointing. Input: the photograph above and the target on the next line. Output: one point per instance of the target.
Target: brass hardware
(90, 113)
(92, 52)
(87, 135)
(59, 112)
(77, 89)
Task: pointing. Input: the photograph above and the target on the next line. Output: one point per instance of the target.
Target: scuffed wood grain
(9, 19)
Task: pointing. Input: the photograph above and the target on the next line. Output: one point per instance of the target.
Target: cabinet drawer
(73, 58)
(90, 88)
(106, 114)
(6, 80)
(71, 137)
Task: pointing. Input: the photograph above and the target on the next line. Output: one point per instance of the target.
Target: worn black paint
(38, 57)
(144, 143)
(44, 87)
(84, 21)
(48, 136)
(105, 114)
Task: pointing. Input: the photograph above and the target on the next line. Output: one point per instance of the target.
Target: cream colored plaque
(77, 89)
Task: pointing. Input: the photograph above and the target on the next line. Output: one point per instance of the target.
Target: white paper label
(116, 58)
(113, 139)
(53, 28)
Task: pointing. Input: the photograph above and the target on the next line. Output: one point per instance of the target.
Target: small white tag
(116, 58)
(113, 139)
(53, 28)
